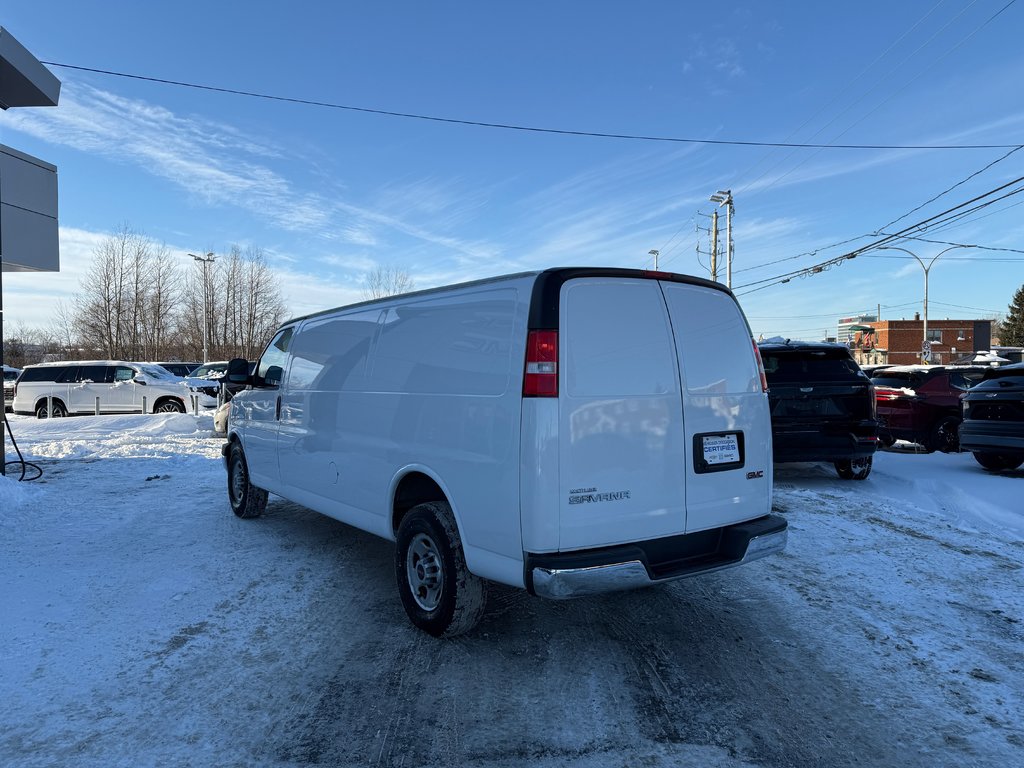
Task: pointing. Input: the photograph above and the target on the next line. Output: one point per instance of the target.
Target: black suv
(993, 418)
(823, 406)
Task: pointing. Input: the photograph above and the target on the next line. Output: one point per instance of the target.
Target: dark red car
(921, 403)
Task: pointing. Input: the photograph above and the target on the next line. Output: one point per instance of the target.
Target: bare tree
(125, 306)
(386, 281)
(244, 303)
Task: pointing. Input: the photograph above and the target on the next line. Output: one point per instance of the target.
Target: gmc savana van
(570, 432)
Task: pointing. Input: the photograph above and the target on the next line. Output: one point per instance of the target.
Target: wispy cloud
(222, 166)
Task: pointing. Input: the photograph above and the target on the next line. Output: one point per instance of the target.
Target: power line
(922, 226)
(525, 128)
(961, 306)
(950, 189)
(902, 88)
(836, 98)
(962, 245)
(828, 314)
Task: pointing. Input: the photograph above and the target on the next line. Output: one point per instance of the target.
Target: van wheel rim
(423, 572)
(238, 481)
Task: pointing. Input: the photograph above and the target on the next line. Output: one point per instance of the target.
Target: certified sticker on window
(720, 449)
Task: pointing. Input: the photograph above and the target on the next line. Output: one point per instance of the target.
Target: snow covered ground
(142, 624)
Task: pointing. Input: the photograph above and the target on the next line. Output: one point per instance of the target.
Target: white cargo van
(570, 431)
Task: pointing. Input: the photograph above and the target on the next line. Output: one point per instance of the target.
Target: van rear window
(898, 379)
(713, 340)
(809, 365)
(616, 340)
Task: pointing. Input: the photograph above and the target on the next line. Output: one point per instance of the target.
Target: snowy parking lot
(142, 624)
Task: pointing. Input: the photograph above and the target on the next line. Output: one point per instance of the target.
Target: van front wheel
(246, 499)
(439, 594)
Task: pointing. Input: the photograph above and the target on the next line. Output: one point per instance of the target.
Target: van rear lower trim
(565, 575)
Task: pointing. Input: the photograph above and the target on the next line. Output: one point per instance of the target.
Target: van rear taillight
(760, 366)
(540, 376)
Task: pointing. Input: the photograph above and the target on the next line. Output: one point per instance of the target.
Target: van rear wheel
(438, 592)
(247, 501)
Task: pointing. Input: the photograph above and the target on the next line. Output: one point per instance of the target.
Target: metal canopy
(24, 81)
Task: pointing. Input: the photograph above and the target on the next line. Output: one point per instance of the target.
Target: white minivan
(570, 431)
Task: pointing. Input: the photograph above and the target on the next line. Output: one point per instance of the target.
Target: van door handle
(278, 412)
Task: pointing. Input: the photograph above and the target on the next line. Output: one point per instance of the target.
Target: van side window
(123, 373)
(275, 356)
(332, 353)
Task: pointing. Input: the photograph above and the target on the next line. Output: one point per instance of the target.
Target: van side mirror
(237, 372)
(274, 375)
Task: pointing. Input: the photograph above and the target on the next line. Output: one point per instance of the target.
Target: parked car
(921, 403)
(993, 418)
(822, 406)
(874, 368)
(220, 418)
(120, 387)
(568, 432)
(10, 376)
(208, 379)
(180, 369)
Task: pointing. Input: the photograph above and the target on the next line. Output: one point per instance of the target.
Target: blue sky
(330, 193)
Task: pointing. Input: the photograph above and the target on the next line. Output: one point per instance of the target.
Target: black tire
(996, 462)
(945, 436)
(247, 501)
(59, 411)
(170, 406)
(854, 469)
(439, 594)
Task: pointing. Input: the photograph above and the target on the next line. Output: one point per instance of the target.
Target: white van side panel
(431, 382)
(721, 394)
(620, 429)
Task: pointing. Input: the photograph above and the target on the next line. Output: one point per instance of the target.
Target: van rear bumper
(565, 575)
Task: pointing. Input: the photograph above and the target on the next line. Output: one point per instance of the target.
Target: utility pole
(724, 197)
(206, 261)
(712, 232)
(714, 245)
(655, 253)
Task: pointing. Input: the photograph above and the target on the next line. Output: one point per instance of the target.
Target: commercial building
(901, 342)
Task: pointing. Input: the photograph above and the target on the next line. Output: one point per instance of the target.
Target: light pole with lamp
(926, 269)
(206, 261)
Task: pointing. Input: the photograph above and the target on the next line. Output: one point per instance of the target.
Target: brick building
(899, 342)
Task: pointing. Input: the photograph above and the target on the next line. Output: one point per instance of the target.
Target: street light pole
(206, 261)
(926, 270)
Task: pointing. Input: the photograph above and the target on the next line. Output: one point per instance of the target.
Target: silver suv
(103, 386)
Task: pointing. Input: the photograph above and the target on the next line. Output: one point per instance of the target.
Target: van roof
(546, 290)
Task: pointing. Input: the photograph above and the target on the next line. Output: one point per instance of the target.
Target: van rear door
(727, 424)
(621, 451)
